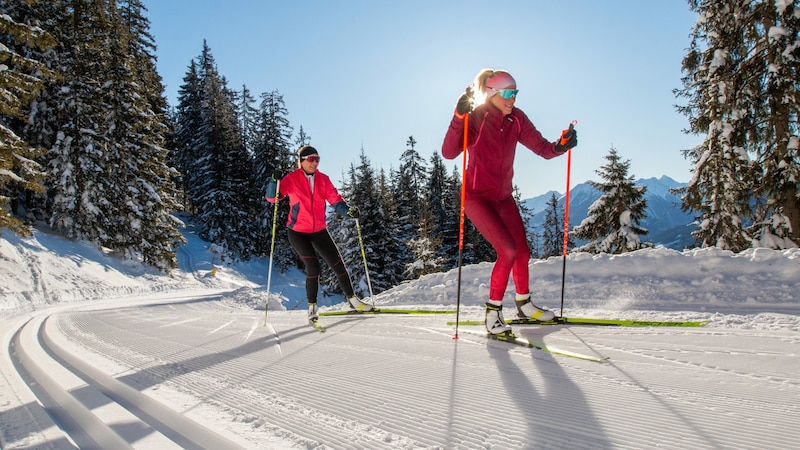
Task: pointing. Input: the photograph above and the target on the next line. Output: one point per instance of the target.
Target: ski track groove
(437, 398)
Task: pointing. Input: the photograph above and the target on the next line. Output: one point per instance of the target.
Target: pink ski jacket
(306, 209)
(491, 146)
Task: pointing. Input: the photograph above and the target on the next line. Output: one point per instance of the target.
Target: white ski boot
(358, 305)
(495, 324)
(313, 311)
(527, 310)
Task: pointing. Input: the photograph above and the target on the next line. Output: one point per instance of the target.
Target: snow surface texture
(156, 359)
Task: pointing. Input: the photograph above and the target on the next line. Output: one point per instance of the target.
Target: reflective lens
(311, 158)
(507, 93)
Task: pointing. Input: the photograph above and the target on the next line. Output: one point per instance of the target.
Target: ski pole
(563, 141)
(461, 219)
(364, 257)
(272, 247)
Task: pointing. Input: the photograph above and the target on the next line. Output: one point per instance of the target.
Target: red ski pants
(501, 224)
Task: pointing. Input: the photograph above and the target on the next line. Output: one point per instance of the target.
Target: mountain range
(667, 223)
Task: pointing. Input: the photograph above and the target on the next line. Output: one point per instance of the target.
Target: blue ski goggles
(506, 93)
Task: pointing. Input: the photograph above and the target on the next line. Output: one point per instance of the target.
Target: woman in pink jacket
(310, 191)
(495, 128)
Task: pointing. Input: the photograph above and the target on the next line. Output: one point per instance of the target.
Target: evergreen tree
(408, 184)
(21, 81)
(222, 187)
(273, 136)
(143, 227)
(449, 220)
(612, 225)
(362, 192)
(440, 222)
(82, 194)
(41, 125)
(553, 229)
(248, 120)
(188, 143)
(302, 138)
(424, 248)
(742, 92)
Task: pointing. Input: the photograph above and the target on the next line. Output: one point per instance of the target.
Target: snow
(198, 345)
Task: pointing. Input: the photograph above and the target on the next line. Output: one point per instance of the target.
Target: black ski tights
(307, 245)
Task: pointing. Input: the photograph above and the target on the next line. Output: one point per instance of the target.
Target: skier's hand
(353, 212)
(568, 140)
(465, 102)
(277, 174)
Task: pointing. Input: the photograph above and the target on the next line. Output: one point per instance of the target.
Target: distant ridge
(668, 224)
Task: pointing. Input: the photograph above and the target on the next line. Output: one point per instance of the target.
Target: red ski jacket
(306, 209)
(491, 145)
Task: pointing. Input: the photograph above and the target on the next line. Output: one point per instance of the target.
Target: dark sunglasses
(310, 158)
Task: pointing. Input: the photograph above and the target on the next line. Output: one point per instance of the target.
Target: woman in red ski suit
(495, 128)
(309, 192)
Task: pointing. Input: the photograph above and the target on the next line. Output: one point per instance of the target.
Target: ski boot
(313, 311)
(357, 305)
(527, 310)
(495, 324)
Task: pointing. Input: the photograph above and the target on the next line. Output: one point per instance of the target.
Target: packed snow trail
(402, 381)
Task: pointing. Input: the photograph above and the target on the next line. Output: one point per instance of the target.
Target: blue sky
(369, 74)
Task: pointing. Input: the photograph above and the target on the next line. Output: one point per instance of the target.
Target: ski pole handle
(565, 134)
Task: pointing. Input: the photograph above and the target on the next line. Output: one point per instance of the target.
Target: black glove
(353, 212)
(568, 140)
(464, 105)
(277, 174)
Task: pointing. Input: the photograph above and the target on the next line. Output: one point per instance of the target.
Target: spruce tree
(741, 88)
(612, 224)
(378, 241)
(187, 141)
(272, 151)
(553, 229)
(408, 184)
(222, 186)
(84, 157)
(21, 81)
(145, 226)
(247, 116)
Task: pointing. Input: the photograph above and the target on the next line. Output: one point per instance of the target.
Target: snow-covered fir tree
(741, 88)
(409, 182)
(379, 243)
(612, 224)
(272, 141)
(442, 203)
(186, 140)
(144, 227)
(247, 118)
(221, 184)
(553, 229)
(21, 81)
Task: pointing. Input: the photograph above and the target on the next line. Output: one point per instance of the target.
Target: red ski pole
(461, 219)
(563, 141)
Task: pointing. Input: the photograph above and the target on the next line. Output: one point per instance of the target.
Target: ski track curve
(381, 382)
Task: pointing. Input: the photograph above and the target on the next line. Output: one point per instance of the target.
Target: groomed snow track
(94, 409)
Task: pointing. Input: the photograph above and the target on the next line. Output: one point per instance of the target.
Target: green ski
(595, 322)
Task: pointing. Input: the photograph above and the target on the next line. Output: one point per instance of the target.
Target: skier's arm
(454, 139)
(272, 188)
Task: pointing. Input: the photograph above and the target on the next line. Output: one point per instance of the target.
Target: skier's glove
(277, 174)
(568, 140)
(353, 212)
(465, 102)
